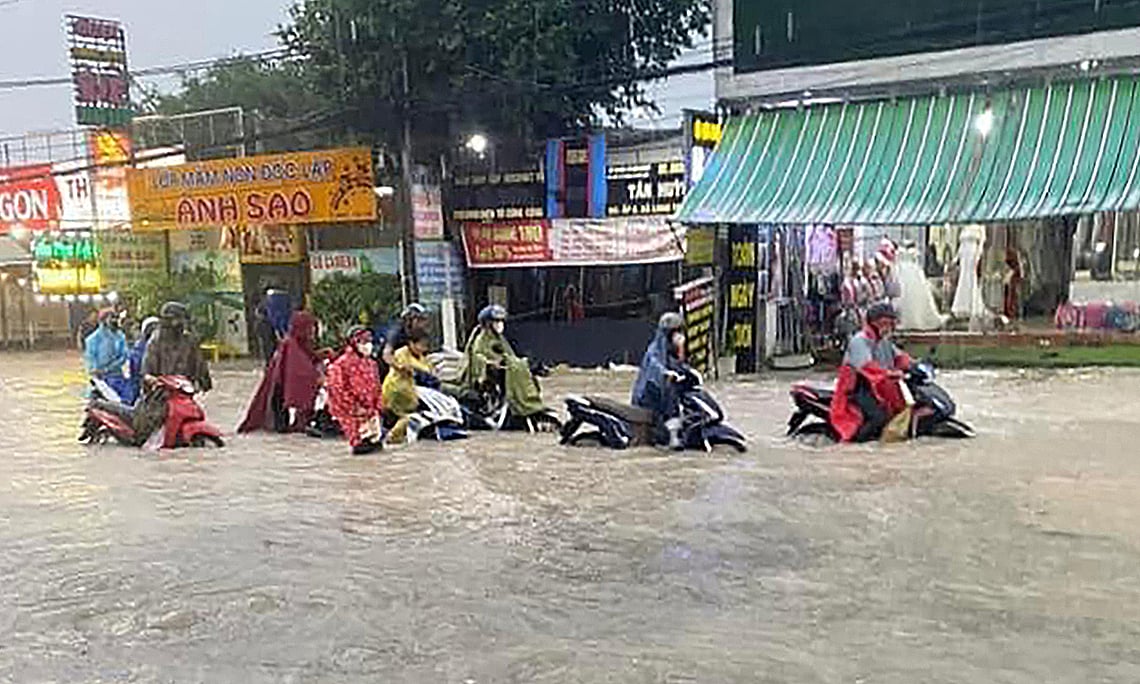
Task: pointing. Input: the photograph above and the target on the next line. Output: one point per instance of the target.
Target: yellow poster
(265, 244)
(325, 186)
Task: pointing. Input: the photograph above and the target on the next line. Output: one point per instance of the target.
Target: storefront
(1020, 162)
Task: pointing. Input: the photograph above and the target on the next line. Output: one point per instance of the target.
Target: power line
(183, 68)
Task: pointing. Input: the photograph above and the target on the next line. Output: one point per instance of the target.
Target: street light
(477, 143)
(985, 122)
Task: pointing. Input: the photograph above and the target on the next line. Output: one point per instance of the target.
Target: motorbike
(933, 414)
(439, 416)
(597, 421)
(488, 408)
(185, 424)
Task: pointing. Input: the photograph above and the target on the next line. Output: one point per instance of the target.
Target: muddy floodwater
(1013, 558)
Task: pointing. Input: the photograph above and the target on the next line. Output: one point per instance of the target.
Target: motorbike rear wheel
(815, 431)
(952, 428)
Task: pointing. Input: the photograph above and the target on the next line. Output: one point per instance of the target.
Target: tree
(524, 69)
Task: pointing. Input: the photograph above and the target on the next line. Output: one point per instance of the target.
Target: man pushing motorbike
(662, 365)
(869, 393)
(173, 350)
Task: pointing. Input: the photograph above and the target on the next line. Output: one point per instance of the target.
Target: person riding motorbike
(173, 350)
(868, 394)
(661, 366)
(354, 393)
(490, 360)
(105, 353)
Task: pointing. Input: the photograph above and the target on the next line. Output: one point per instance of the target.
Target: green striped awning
(1067, 148)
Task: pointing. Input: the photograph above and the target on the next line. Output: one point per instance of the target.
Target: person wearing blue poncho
(105, 352)
(661, 366)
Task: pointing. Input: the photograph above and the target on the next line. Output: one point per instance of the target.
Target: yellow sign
(265, 244)
(700, 246)
(69, 280)
(326, 186)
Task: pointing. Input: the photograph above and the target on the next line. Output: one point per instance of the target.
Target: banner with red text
(573, 242)
(29, 198)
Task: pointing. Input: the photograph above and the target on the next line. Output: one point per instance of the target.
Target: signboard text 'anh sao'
(329, 186)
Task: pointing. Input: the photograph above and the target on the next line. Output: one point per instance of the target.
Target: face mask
(678, 340)
(364, 349)
(498, 327)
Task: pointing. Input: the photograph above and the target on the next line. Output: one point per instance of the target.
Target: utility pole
(409, 224)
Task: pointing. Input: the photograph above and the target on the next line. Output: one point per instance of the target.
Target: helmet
(494, 312)
(671, 321)
(413, 310)
(106, 315)
(176, 310)
(148, 327)
(880, 311)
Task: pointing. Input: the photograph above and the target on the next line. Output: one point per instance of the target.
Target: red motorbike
(185, 423)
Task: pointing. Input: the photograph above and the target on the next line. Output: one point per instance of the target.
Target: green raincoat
(486, 351)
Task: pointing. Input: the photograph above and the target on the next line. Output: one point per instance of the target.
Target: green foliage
(341, 301)
(196, 288)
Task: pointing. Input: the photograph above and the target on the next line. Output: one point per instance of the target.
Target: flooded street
(1012, 558)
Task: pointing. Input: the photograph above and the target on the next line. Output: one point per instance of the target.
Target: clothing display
(968, 302)
(916, 306)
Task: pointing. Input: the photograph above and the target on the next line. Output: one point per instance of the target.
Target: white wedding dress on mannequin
(917, 310)
(968, 303)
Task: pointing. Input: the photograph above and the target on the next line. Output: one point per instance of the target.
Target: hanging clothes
(917, 310)
(968, 302)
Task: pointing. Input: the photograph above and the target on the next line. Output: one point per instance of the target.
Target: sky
(163, 33)
(159, 33)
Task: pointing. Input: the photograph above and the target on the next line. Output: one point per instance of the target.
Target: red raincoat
(294, 373)
(354, 392)
(846, 417)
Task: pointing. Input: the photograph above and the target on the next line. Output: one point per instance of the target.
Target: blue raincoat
(133, 384)
(652, 390)
(104, 353)
(279, 311)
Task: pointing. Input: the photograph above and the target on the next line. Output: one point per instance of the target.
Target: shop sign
(509, 243)
(224, 263)
(573, 242)
(439, 272)
(589, 242)
(497, 196)
(98, 52)
(354, 262)
(703, 131)
(743, 302)
(125, 256)
(427, 212)
(697, 300)
(700, 246)
(265, 244)
(66, 264)
(327, 186)
(28, 198)
(645, 189)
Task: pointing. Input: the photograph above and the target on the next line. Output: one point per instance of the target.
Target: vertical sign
(698, 305)
(744, 260)
(98, 52)
(702, 134)
(427, 211)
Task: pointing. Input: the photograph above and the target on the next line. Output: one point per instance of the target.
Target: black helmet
(494, 312)
(880, 311)
(671, 321)
(174, 310)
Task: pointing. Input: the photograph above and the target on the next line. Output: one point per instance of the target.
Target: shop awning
(1067, 148)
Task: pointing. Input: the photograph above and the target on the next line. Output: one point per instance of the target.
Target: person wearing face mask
(413, 319)
(105, 354)
(868, 394)
(661, 366)
(490, 359)
(355, 399)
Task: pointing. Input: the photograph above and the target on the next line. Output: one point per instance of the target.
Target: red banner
(509, 243)
(28, 198)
